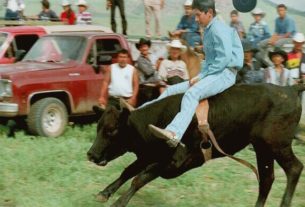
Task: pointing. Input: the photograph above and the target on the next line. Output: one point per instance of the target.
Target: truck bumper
(8, 109)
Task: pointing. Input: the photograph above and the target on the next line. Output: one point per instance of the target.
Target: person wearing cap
(252, 71)
(296, 58)
(67, 16)
(14, 9)
(173, 70)
(188, 28)
(83, 17)
(223, 51)
(112, 4)
(278, 74)
(153, 8)
(147, 69)
(237, 24)
(258, 30)
(47, 14)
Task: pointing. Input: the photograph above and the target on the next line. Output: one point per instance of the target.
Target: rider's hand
(194, 80)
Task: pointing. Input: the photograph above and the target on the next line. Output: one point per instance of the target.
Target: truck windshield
(3, 37)
(57, 49)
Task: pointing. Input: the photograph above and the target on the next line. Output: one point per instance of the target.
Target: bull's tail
(299, 87)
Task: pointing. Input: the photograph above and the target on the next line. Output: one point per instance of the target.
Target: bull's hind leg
(265, 166)
(151, 173)
(293, 169)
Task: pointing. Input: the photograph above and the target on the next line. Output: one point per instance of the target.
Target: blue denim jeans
(206, 87)
(11, 15)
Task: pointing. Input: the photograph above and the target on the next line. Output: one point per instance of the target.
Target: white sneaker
(171, 139)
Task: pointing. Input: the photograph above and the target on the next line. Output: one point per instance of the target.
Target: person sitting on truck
(67, 16)
(188, 28)
(83, 16)
(147, 70)
(47, 14)
(120, 81)
(14, 9)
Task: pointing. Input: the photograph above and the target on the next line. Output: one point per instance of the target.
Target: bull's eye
(112, 133)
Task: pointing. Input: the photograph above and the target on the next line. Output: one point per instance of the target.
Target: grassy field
(42, 172)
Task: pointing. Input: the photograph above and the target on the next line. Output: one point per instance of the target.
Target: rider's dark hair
(204, 6)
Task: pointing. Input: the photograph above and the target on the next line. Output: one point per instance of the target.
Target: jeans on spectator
(11, 15)
(120, 4)
(206, 87)
(156, 11)
(192, 38)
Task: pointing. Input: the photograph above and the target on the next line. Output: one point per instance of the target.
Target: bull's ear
(98, 110)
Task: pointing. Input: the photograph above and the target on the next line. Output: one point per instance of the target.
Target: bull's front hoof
(102, 197)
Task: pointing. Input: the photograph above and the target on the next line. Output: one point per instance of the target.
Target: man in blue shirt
(188, 27)
(259, 29)
(284, 31)
(224, 57)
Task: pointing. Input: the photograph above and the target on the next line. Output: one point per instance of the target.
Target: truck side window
(25, 42)
(108, 46)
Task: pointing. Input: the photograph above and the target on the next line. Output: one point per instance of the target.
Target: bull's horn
(126, 105)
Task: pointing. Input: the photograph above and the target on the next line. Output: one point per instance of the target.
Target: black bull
(264, 115)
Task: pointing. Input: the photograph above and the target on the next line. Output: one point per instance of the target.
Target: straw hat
(82, 3)
(65, 3)
(299, 37)
(188, 3)
(176, 44)
(258, 11)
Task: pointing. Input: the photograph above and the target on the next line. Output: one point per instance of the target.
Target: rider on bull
(224, 52)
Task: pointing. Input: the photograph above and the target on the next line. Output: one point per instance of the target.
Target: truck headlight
(6, 88)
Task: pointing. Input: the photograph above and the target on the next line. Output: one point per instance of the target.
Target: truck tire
(48, 117)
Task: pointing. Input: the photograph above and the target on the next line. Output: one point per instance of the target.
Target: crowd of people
(15, 11)
(261, 64)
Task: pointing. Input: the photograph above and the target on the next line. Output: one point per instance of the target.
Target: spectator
(296, 58)
(174, 70)
(83, 17)
(259, 29)
(188, 28)
(284, 29)
(14, 9)
(278, 74)
(47, 14)
(68, 15)
(112, 4)
(120, 81)
(237, 24)
(147, 71)
(252, 72)
(153, 7)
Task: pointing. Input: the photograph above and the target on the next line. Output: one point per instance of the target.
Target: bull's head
(110, 141)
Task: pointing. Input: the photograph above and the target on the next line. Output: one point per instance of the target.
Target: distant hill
(170, 15)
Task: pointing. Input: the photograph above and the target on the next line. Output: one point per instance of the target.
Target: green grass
(42, 172)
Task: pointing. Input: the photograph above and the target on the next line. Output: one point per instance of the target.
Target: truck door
(103, 53)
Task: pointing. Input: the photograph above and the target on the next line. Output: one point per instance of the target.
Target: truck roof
(56, 29)
(86, 34)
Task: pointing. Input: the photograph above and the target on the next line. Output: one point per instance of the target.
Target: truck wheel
(48, 117)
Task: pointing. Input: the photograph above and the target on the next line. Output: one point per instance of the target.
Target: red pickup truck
(15, 39)
(59, 77)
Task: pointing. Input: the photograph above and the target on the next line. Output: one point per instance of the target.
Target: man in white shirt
(120, 81)
(14, 9)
